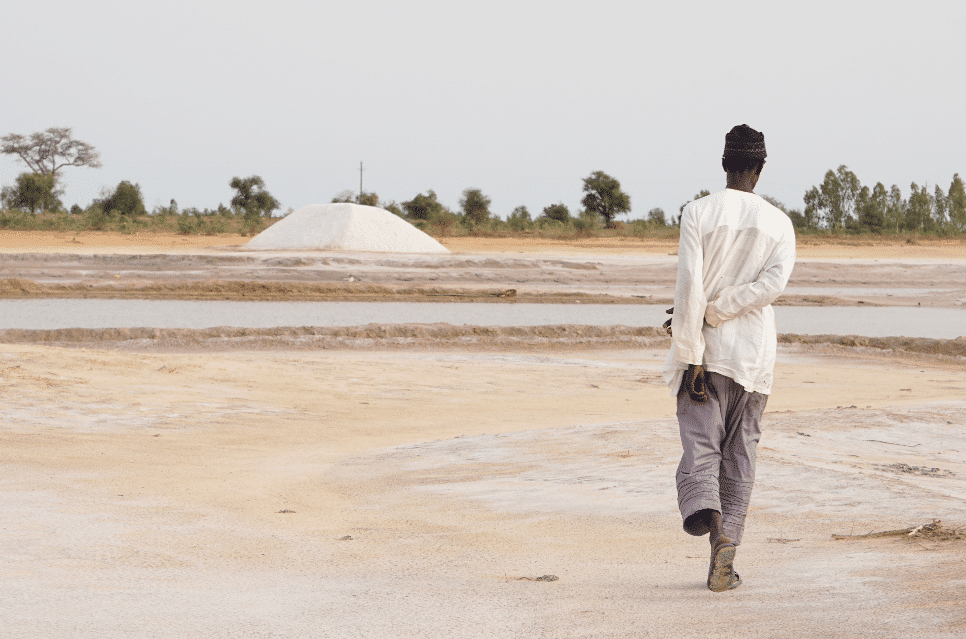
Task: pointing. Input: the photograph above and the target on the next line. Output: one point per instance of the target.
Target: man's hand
(667, 325)
(694, 383)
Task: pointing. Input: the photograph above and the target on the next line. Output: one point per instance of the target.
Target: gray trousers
(720, 441)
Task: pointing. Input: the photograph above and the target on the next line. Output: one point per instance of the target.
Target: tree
(940, 208)
(520, 219)
(368, 199)
(775, 202)
(46, 152)
(558, 212)
(252, 197)
(850, 187)
(918, 212)
(813, 205)
(830, 201)
(656, 217)
(895, 208)
(871, 208)
(126, 200)
(604, 196)
(423, 207)
(393, 208)
(475, 206)
(833, 203)
(343, 197)
(957, 203)
(33, 192)
(349, 197)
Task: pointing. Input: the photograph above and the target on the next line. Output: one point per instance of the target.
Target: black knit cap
(743, 141)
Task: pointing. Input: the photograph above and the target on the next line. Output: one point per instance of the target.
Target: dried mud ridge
(429, 336)
(260, 291)
(294, 291)
(936, 531)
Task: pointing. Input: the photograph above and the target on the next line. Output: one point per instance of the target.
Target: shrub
(126, 200)
(96, 218)
(519, 219)
(188, 225)
(558, 212)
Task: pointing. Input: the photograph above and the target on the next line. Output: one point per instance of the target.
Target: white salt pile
(343, 226)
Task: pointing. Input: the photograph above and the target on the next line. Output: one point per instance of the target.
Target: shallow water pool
(101, 313)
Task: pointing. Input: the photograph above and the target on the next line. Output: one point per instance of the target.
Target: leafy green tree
(833, 203)
(604, 196)
(849, 193)
(423, 207)
(830, 208)
(33, 192)
(367, 199)
(393, 208)
(475, 206)
(350, 197)
(839, 191)
(251, 197)
(520, 219)
(940, 208)
(871, 207)
(558, 212)
(813, 208)
(798, 219)
(895, 208)
(957, 204)
(126, 200)
(46, 152)
(919, 209)
(655, 217)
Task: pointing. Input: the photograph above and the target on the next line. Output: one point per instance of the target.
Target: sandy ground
(844, 247)
(281, 492)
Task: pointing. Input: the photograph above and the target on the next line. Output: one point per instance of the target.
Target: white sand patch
(343, 226)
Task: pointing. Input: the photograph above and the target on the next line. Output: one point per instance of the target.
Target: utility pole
(360, 179)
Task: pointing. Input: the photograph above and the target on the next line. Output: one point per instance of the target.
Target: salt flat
(214, 494)
(216, 491)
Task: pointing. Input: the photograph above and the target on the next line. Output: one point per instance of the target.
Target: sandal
(721, 572)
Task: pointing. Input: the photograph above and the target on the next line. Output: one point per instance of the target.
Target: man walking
(735, 256)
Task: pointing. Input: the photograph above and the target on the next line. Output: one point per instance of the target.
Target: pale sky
(520, 99)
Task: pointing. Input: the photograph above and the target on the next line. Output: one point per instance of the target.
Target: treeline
(603, 200)
(122, 209)
(842, 203)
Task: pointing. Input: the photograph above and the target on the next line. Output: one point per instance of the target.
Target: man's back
(735, 256)
(739, 232)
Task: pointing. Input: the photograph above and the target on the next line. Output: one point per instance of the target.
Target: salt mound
(344, 226)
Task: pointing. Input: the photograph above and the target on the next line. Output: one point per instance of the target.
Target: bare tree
(46, 152)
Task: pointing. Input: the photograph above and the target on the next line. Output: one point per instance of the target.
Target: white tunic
(735, 256)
